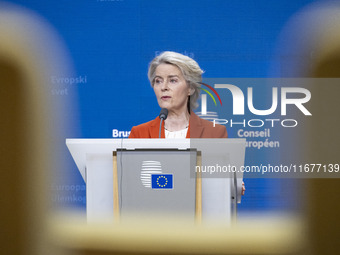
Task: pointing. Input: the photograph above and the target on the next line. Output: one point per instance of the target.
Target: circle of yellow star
(160, 178)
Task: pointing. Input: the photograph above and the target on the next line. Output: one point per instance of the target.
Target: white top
(176, 134)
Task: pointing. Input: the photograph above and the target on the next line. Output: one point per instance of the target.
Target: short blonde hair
(190, 69)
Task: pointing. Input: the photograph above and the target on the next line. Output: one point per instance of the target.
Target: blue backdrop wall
(111, 43)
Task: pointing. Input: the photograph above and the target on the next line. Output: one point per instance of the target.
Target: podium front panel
(95, 163)
(156, 182)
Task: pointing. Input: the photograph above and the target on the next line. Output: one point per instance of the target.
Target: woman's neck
(177, 121)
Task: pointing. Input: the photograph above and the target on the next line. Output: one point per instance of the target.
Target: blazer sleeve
(223, 132)
(211, 131)
(218, 131)
(134, 133)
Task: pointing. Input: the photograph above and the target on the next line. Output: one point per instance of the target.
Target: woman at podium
(176, 81)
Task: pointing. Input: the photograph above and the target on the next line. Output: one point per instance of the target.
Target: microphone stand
(160, 128)
(163, 115)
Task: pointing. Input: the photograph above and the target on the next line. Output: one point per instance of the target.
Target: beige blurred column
(310, 47)
(28, 139)
(324, 194)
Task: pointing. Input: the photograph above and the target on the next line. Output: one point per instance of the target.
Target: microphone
(163, 115)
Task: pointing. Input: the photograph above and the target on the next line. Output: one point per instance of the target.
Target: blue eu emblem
(162, 181)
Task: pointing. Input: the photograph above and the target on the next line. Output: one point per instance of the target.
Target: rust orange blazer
(198, 128)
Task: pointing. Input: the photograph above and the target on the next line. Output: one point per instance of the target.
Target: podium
(99, 161)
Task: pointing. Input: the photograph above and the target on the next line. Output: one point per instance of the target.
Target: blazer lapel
(195, 129)
(154, 129)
